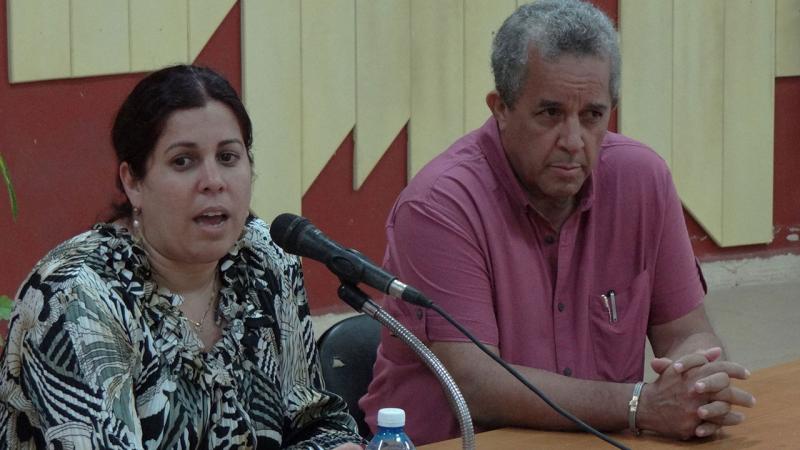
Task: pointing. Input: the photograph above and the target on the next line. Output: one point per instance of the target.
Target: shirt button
(561, 307)
(567, 371)
(549, 239)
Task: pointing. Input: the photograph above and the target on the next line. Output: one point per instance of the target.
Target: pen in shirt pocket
(610, 302)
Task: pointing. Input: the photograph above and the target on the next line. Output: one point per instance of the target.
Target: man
(562, 247)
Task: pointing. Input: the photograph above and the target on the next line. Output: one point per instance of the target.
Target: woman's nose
(211, 177)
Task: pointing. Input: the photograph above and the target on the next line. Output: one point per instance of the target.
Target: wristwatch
(633, 405)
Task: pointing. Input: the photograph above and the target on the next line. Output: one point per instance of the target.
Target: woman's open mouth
(212, 218)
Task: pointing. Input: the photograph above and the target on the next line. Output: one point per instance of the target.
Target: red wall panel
(353, 218)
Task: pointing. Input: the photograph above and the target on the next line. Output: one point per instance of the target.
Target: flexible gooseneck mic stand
(361, 302)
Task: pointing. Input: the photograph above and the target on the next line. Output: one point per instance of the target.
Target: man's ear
(498, 107)
(130, 184)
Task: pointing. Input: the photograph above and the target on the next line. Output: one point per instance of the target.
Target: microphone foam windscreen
(285, 229)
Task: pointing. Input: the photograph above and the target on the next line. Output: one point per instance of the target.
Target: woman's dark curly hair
(141, 118)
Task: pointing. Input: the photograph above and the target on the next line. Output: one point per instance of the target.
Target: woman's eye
(181, 162)
(228, 157)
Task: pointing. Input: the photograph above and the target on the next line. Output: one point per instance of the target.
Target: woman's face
(195, 196)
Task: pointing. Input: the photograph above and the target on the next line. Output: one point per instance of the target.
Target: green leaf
(6, 304)
(12, 197)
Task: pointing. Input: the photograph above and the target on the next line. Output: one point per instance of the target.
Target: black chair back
(347, 353)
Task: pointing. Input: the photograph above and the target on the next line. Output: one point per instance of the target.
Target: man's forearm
(504, 400)
(684, 335)
(668, 406)
(497, 399)
(694, 342)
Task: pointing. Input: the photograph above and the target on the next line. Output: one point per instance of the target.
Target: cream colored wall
(787, 39)
(372, 65)
(437, 79)
(271, 73)
(748, 122)
(51, 39)
(383, 79)
(698, 80)
(698, 85)
(327, 46)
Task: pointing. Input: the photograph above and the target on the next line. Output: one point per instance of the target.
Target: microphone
(297, 235)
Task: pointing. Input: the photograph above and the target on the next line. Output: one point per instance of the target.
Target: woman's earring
(137, 225)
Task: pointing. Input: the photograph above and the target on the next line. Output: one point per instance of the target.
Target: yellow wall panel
(645, 110)
(697, 115)
(383, 80)
(100, 37)
(204, 19)
(481, 19)
(328, 64)
(272, 92)
(38, 40)
(159, 33)
(787, 39)
(748, 127)
(437, 79)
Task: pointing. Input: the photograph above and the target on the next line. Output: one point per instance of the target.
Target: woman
(180, 324)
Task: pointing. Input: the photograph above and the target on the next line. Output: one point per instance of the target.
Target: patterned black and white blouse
(98, 356)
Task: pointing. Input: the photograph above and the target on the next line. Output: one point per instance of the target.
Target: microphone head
(285, 231)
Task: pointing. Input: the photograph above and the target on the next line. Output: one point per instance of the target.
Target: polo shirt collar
(492, 147)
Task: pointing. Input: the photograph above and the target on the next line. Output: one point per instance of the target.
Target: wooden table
(774, 423)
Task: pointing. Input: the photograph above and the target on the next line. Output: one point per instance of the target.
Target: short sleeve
(678, 285)
(435, 246)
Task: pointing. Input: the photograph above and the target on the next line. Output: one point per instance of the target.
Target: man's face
(553, 133)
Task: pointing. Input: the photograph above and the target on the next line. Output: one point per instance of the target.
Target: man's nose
(571, 138)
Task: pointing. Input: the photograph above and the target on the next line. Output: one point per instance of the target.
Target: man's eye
(552, 112)
(593, 115)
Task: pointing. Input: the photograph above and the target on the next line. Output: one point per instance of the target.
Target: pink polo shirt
(465, 234)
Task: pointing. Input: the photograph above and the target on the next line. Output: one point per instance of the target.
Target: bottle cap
(391, 417)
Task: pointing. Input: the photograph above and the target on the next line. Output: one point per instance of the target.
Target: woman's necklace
(211, 302)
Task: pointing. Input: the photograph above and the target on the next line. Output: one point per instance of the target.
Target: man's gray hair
(554, 28)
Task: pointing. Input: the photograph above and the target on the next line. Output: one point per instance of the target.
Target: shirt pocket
(618, 338)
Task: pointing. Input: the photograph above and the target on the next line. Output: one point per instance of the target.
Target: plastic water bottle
(390, 435)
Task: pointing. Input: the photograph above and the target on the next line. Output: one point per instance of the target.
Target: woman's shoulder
(96, 257)
(256, 231)
(75, 297)
(257, 239)
(258, 258)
